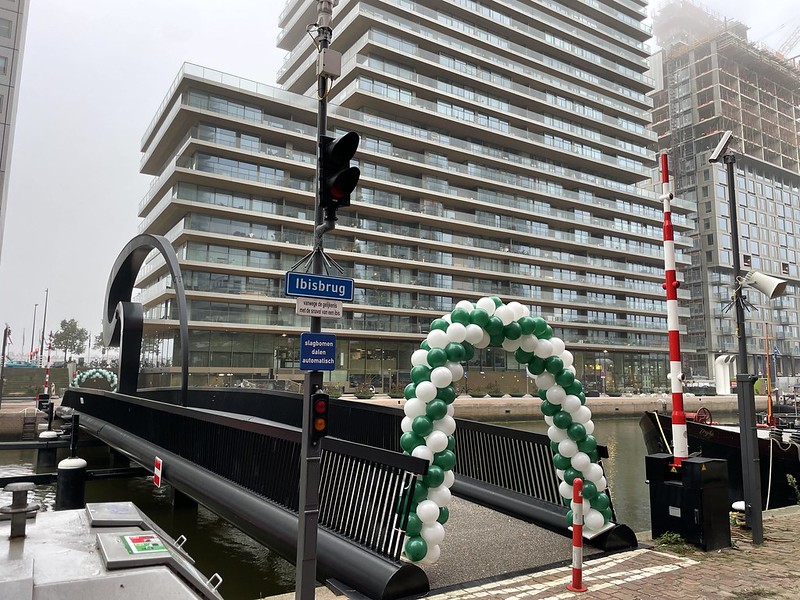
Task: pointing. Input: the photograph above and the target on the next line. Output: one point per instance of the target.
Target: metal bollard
(46, 457)
(577, 538)
(19, 507)
(71, 484)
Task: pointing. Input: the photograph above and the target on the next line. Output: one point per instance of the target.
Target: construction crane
(790, 43)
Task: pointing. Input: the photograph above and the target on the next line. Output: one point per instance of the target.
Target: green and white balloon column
(428, 425)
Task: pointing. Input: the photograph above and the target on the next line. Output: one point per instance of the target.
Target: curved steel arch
(118, 305)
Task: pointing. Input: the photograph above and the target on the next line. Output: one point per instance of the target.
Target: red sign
(157, 472)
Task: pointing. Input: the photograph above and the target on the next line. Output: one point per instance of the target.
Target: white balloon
(484, 342)
(423, 452)
(511, 345)
(558, 345)
(432, 555)
(428, 511)
(437, 441)
(420, 357)
(526, 312)
(589, 425)
(556, 434)
(466, 305)
(447, 317)
(414, 407)
(571, 403)
(560, 474)
(564, 489)
(566, 447)
(432, 533)
(451, 410)
(426, 390)
(543, 349)
(440, 377)
(441, 495)
(593, 519)
(456, 333)
(449, 478)
(582, 415)
(548, 419)
(447, 424)
(486, 304)
(456, 370)
(580, 461)
(570, 368)
(528, 342)
(474, 333)
(545, 381)
(405, 424)
(516, 309)
(437, 338)
(505, 314)
(556, 395)
(602, 484)
(593, 472)
(567, 358)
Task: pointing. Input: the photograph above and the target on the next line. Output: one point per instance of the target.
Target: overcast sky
(94, 72)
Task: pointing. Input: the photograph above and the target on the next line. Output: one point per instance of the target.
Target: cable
(663, 436)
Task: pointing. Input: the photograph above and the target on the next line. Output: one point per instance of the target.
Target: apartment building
(501, 147)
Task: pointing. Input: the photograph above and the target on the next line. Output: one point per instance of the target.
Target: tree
(70, 338)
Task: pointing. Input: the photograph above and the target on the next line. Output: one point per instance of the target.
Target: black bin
(690, 500)
(43, 401)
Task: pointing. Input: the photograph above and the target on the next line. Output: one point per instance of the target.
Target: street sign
(317, 352)
(316, 307)
(158, 464)
(319, 286)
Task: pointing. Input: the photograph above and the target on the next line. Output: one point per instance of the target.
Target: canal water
(249, 570)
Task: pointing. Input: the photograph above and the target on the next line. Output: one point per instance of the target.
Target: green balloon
(576, 432)
(562, 419)
(536, 365)
(420, 373)
(553, 364)
(497, 340)
(554, 447)
(410, 440)
(600, 502)
(497, 301)
(454, 351)
(436, 409)
(439, 324)
(588, 444)
(436, 357)
(422, 425)
(548, 333)
(459, 315)
(523, 357)
(451, 443)
(512, 331)
(425, 345)
(448, 394)
(569, 518)
(594, 456)
(414, 525)
(561, 462)
(479, 317)
(565, 378)
(416, 548)
(571, 474)
(469, 351)
(574, 388)
(539, 326)
(607, 514)
(543, 395)
(446, 459)
(549, 409)
(494, 326)
(589, 490)
(420, 492)
(444, 514)
(410, 391)
(435, 477)
(582, 398)
(526, 325)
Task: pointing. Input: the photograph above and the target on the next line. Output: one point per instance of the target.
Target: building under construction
(709, 79)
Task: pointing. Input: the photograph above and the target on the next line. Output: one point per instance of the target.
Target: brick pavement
(743, 572)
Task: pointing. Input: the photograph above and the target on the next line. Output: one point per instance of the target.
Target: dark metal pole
(44, 324)
(745, 390)
(33, 330)
(6, 331)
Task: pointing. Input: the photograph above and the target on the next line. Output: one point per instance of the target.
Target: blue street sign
(319, 286)
(317, 352)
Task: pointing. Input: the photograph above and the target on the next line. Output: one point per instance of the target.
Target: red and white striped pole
(47, 368)
(680, 444)
(577, 537)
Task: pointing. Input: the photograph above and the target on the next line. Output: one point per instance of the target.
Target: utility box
(690, 500)
(43, 401)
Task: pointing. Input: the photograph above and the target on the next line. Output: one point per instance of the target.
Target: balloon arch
(428, 425)
(109, 376)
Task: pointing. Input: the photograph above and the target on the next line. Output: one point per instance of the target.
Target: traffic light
(338, 179)
(319, 416)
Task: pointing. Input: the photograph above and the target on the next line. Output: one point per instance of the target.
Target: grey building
(712, 79)
(13, 23)
(502, 144)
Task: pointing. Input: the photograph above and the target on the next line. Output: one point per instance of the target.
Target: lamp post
(44, 324)
(33, 331)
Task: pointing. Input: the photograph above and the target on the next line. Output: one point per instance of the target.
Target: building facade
(712, 79)
(501, 145)
(13, 24)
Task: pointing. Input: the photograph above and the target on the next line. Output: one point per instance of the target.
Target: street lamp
(745, 392)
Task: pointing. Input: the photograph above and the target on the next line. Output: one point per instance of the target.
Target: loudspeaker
(771, 287)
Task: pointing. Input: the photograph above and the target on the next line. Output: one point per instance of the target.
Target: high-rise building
(501, 145)
(13, 23)
(712, 79)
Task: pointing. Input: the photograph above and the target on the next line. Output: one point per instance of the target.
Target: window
(3, 65)
(5, 28)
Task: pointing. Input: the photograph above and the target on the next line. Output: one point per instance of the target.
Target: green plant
(672, 542)
(793, 484)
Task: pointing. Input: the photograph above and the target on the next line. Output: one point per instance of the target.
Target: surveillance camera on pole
(721, 148)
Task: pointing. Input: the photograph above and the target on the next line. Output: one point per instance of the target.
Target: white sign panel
(317, 307)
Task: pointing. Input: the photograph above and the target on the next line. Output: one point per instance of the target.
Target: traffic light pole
(310, 462)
